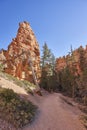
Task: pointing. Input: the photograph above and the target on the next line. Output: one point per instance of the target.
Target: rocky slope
(23, 50)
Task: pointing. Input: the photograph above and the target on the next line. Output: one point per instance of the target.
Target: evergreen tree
(46, 53)
(83, 76)
(48, 59)
(81, 58)
(47, 67)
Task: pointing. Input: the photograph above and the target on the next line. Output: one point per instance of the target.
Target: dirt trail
(53, 113)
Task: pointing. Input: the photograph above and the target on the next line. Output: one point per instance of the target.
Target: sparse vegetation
(15, 110)
(1, 67)
(29, 87)
(84, 120)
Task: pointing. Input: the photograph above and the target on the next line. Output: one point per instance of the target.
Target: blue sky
(61, 23)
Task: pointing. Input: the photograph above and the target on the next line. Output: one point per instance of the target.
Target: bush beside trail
(15, 110)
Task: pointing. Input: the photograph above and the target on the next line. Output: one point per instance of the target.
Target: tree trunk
(33, 72)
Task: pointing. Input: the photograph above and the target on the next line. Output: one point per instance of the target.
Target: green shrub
(7, 94)
(14, 109)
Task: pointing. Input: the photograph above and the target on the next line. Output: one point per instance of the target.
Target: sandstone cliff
(73, 60)
(22, 50)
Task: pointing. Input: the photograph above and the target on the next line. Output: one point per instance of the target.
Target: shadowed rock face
(17, 56)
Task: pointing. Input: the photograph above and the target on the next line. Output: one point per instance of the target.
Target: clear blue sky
(58, 22)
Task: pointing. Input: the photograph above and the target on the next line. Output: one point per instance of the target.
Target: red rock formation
(60, 63)
(17, 56)
(70, 61)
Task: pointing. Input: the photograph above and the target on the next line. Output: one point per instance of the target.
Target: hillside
(15, 110)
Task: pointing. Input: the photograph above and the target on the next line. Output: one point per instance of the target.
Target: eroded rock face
(22, 50)
(72, 60)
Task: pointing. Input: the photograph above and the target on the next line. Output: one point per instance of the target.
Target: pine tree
(47, 67)
(46, 54)
(83, 76)
(48, 59)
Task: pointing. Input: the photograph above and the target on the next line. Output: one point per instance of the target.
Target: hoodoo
(22, 53)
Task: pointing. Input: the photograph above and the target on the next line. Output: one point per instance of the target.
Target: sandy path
(55, 114)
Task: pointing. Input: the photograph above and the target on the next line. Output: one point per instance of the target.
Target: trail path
(53, 112)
